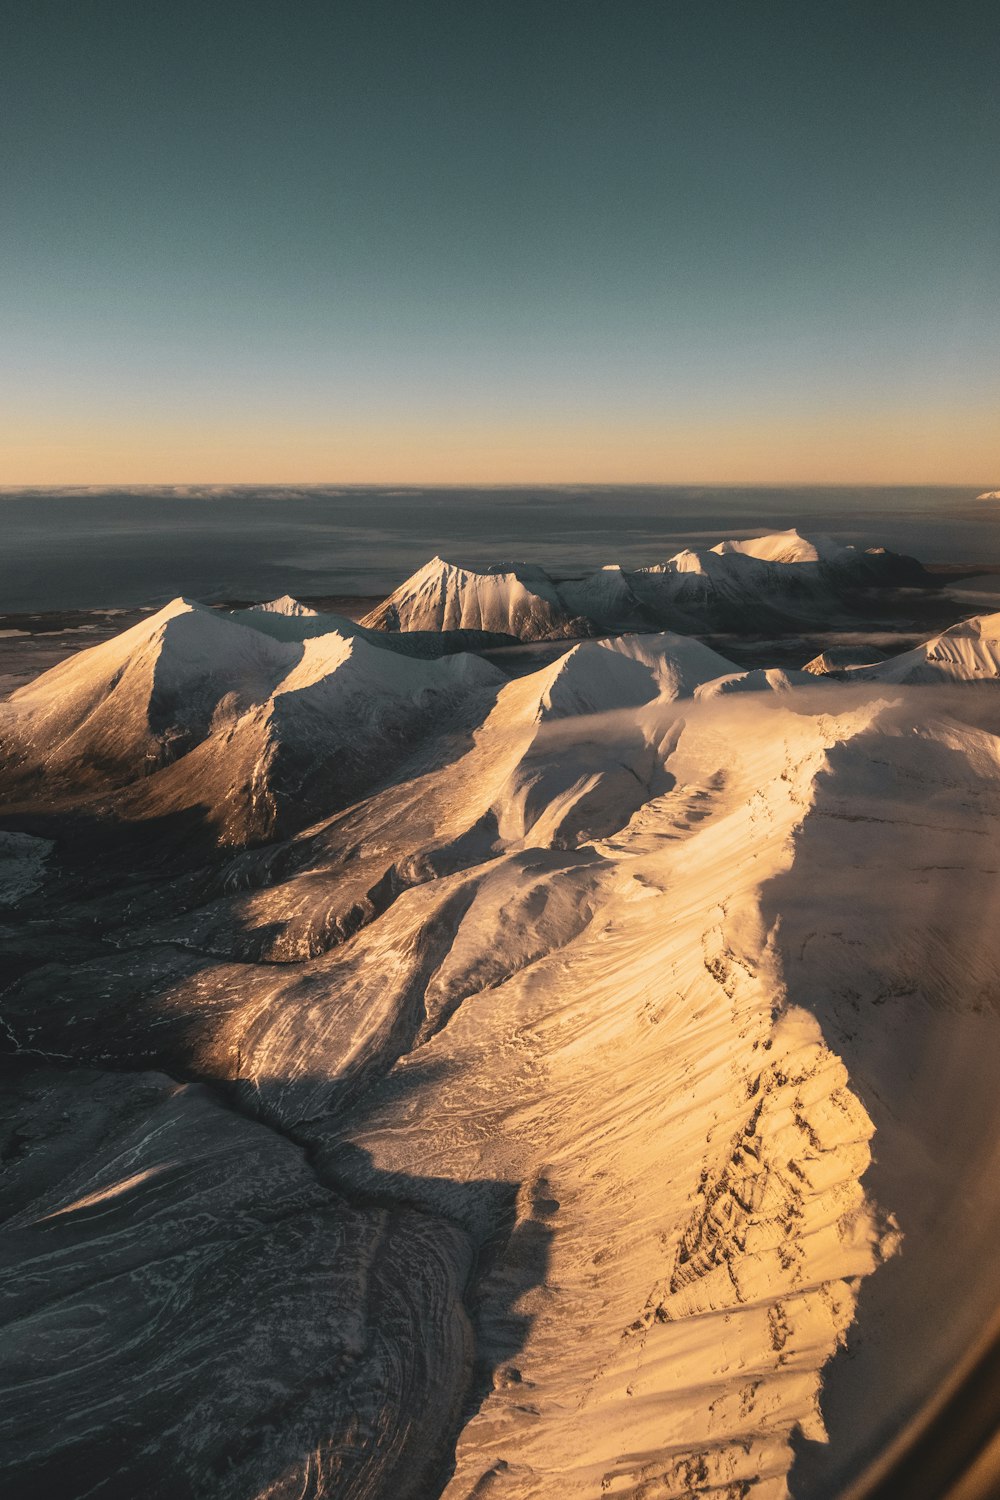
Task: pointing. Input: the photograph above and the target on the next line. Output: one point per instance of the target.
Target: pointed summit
(286, 605)
(511, 599)
(137, 701)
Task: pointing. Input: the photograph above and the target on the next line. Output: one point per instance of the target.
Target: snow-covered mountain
(761, 580)
(605, 600)
(337, 723)
(789, 547)
(538, 1033)
(132, 704)
(518, 600)
(966, 652)
(286, 619)
(781, 576)
(285, 606)
(192, 709)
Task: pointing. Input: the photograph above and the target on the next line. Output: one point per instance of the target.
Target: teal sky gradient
(347, 232)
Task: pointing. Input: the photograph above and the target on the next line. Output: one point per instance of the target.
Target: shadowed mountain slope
(526, 1092)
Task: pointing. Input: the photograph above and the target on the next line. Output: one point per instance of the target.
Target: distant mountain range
(767, 581)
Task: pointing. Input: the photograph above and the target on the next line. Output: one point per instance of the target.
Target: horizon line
(499, 484)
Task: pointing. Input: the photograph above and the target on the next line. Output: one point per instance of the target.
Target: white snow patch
(786, 547)
(286, 605)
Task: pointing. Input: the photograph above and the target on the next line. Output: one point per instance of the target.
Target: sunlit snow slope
(421, 1083)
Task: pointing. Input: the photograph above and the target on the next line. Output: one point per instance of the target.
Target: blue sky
(499, 241)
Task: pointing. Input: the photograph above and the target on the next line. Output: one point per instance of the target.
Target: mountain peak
(785, 547)
(286, 605)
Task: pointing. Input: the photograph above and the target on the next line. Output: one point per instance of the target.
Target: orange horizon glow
(886, 448)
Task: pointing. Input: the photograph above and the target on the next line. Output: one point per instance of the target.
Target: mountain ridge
(782, 575)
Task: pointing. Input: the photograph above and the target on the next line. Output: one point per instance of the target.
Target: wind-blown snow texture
(967, 652)
(424, 1083)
